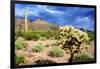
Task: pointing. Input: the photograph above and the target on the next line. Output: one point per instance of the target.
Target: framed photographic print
(50, 34)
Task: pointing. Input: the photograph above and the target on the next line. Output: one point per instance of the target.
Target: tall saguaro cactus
(26, 24)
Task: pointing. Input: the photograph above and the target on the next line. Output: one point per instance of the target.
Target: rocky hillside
(38, 24)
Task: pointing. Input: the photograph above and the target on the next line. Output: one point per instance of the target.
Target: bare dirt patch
(90, 50)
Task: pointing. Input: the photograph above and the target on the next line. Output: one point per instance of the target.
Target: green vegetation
(38, 48)
(31, 36)
(28, 36)
(91, 35)
(36, 34)
(19, 60)
(56, 52)
(82, 57)
(19, 33)
(20, 44)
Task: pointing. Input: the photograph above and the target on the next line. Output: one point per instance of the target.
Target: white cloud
(84, 22)
(47, 9)
(35, 10)
(53, 11)
(31, 11)
(81, 19)
(19, 12)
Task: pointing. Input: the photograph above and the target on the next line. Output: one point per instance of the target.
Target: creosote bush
(19, 60)
(82, 57)
(38, 48)
(56, 52)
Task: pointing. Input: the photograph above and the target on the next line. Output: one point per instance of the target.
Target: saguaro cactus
(73, 40)
(26, 15)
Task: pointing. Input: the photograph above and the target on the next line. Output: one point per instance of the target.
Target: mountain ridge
(38, 24)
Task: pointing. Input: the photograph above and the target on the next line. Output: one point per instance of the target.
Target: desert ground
(34, 57)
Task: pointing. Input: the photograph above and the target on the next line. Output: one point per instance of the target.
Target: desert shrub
(31, 36)
(82, 57)
(73, 39)
(36, 34)
(38, 48)
(43, 38)
(48, 34)
(56, 52)
(19, 33)
(91, 35)
(19, 60)
(19, 44)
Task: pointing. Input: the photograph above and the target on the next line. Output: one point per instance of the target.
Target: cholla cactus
(73, 40)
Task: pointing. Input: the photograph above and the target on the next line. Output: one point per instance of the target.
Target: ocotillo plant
(73, 40)
(26, 16)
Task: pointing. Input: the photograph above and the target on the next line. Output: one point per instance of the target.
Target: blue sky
(75, 16)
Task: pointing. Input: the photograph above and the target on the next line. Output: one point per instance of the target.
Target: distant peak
(40, 21)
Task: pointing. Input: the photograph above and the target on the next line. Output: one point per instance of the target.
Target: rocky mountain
(38, 24)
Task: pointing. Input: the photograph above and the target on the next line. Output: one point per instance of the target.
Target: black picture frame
(12, 30)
